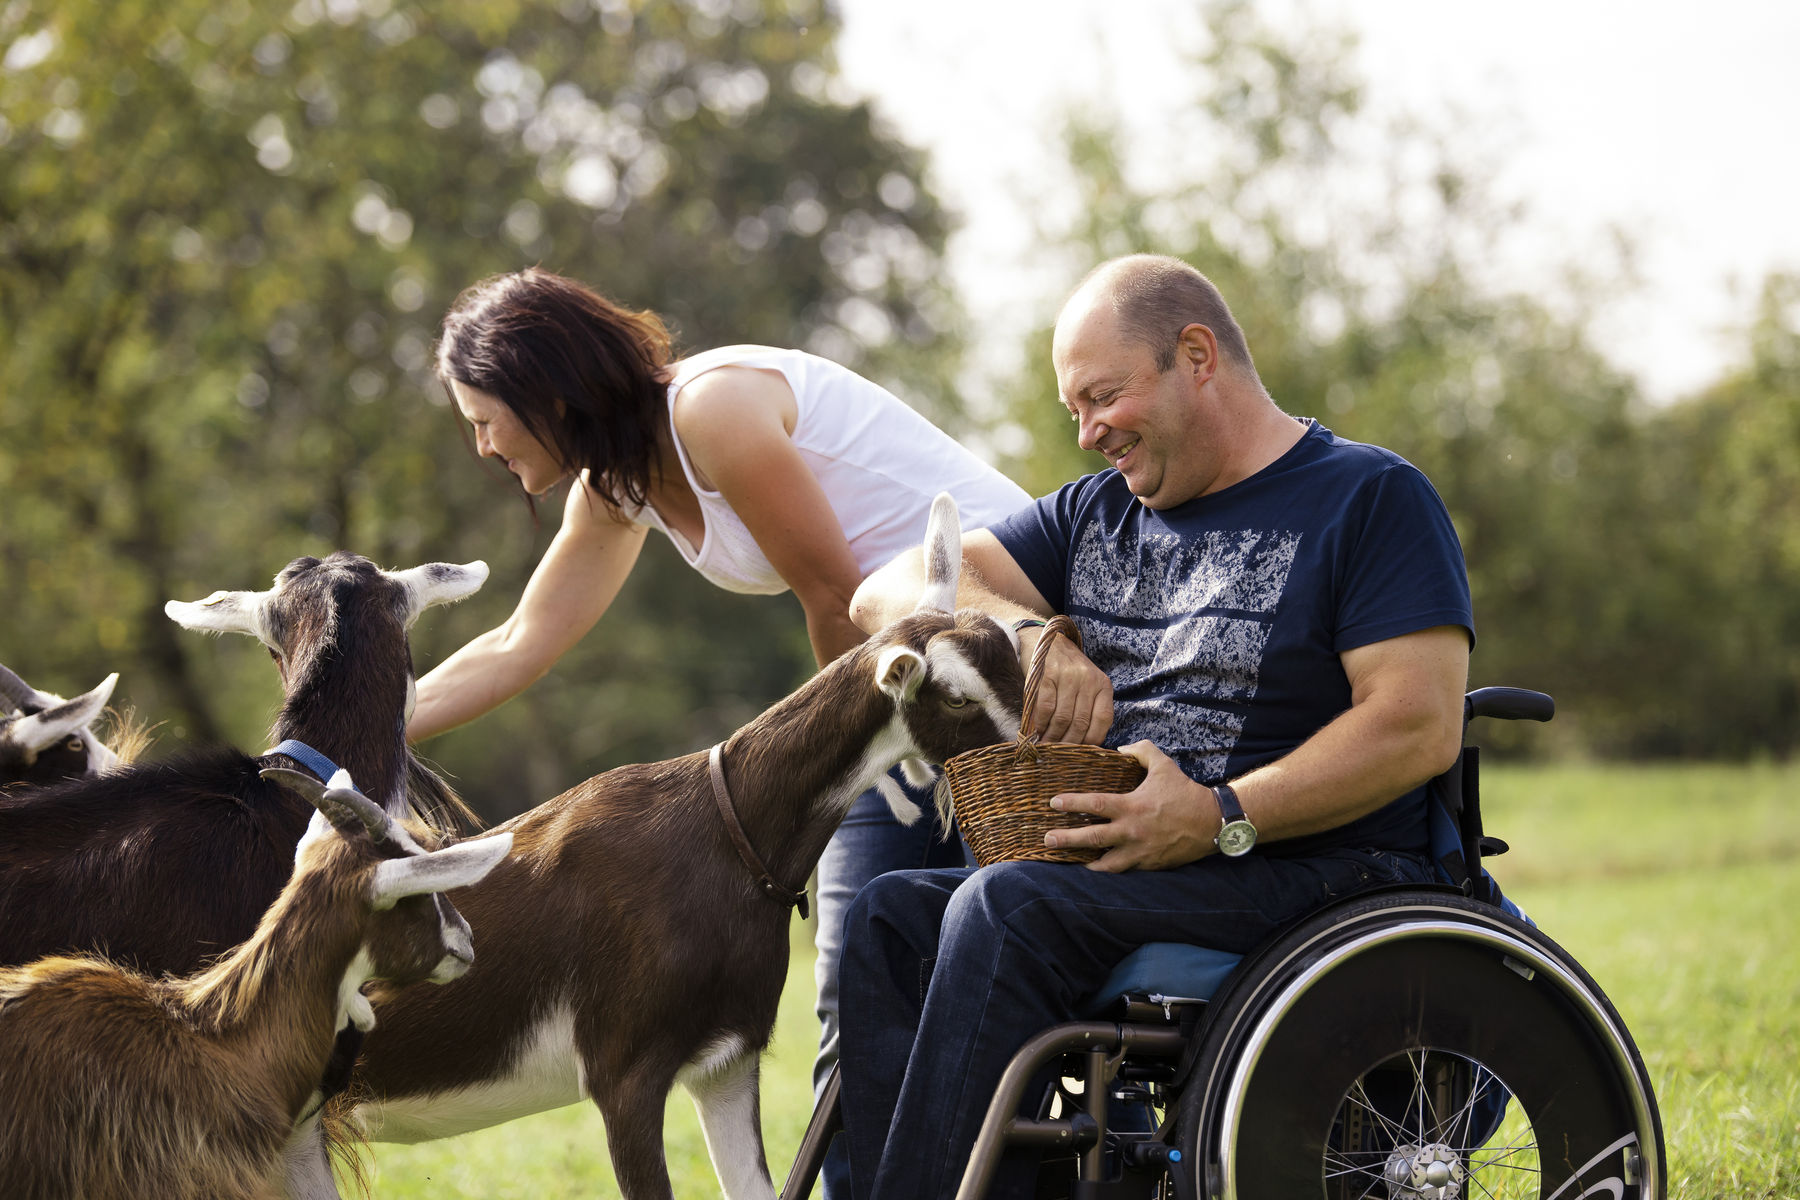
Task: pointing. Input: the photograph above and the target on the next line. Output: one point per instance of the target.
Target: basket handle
(1040, 656)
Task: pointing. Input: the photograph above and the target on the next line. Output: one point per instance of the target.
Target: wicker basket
(1001, 793)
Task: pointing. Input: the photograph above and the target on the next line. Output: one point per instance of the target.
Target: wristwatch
(1236, 834)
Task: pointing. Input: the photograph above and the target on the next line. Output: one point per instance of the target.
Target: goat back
(160, 867)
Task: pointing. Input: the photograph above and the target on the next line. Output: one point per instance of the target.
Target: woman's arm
(1074, 697)
(587, 563)
(737, 424)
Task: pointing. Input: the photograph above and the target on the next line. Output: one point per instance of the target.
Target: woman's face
(500, 434)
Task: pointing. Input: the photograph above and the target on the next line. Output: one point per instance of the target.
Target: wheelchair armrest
(1508, 704)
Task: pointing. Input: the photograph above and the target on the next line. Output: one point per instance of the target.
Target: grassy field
(1677, 887)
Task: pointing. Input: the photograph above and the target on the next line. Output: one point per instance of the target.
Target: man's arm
(1074, 699)
(1403, 726)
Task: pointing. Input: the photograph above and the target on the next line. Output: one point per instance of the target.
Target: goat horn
(374, 817)
(298, 781)
(338, 800)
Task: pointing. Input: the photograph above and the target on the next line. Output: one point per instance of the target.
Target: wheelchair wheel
(1415, 1045)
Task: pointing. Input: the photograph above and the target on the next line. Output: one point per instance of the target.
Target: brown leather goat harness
(715, 766)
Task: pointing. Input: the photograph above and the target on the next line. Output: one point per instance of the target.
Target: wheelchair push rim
(1371, 1051)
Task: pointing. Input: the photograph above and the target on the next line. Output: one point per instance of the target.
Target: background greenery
(228, 231)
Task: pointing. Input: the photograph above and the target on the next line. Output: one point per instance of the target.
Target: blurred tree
(1717, 615)
(227, 231)
(1352, 249)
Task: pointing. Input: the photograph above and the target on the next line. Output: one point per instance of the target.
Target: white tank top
(879, 462)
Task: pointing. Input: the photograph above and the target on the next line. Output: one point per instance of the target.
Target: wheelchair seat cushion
(1164, 970)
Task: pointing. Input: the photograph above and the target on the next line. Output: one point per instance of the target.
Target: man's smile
(1117, 454)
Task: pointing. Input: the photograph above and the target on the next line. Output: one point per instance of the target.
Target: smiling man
(1276, 623)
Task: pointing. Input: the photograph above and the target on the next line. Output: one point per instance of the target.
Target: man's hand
(1074, 697)
(1166, 821)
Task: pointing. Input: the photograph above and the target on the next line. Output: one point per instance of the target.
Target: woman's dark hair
(533, 338)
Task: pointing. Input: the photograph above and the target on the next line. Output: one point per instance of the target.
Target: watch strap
(1230, 807)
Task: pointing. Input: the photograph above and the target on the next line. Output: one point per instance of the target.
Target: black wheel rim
(1432, 994)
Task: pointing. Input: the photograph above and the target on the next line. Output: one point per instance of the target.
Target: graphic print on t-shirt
(1185, 643)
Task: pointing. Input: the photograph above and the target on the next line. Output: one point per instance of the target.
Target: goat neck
(277, 997)
(346, 685)
(794, 770)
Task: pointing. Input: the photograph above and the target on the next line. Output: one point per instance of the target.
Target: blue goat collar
(307, 757)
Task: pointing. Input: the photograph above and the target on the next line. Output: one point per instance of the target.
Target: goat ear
(221, 612)
(455, 866)
(899, 671)
(438, 583)
(41, 729)
(943, 556)
(15, 692)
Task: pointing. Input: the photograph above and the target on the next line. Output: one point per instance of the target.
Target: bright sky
(1673, 121)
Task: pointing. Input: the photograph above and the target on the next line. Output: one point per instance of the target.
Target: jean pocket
(1346, 872)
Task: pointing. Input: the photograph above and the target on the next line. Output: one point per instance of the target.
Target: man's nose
(1090, 432)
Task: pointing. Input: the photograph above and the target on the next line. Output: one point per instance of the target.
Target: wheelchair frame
(1283, 1084)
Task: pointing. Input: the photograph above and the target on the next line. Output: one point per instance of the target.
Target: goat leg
(728, 1101)
(305, 1164)
(632, 1107)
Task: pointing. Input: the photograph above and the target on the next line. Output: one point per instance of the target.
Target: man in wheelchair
(1276, 623)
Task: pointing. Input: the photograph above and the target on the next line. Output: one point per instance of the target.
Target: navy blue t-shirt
(1220, 620)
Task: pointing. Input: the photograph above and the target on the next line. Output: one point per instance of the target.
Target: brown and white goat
(121, 1086)
(50, 738)
(631, 947)
(164, 865)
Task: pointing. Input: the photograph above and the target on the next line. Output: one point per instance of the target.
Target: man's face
(1140, 418)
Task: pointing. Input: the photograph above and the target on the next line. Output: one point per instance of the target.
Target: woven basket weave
(1001, 793)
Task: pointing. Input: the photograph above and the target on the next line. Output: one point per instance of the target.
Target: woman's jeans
(870, 842)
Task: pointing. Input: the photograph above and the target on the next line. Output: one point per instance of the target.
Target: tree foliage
(227, 232)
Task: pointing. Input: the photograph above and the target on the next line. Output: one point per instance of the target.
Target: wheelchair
(1405, 1043)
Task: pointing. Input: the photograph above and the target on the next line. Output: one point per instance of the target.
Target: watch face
(1236, 838)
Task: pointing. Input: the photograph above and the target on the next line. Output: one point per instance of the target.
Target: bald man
(1277, 625)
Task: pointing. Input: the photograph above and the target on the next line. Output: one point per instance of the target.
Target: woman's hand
(576, 582)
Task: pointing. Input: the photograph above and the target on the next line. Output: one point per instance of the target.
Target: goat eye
(75, 745)
(955, 701)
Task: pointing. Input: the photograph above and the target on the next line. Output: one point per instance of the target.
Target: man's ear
(1198, 350)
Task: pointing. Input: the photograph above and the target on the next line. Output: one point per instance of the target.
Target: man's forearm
(1360, 761)
(892, 591)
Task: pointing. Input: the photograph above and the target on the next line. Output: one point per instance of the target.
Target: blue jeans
(870, 842)
(947, 973)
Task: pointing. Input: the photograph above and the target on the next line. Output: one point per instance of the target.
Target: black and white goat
(628, 942)
(49, 738)
(164, 865)
(121, 1087)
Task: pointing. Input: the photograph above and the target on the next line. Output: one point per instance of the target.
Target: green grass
(1676, 887)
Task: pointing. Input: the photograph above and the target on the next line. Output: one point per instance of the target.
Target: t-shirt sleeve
(1039, 536)
(1405, 571)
